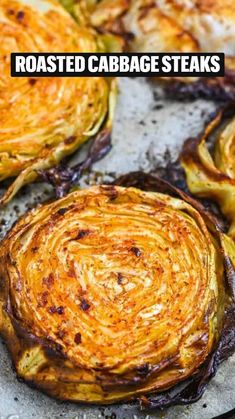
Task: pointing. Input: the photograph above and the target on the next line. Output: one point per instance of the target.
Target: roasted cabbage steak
(45, 119)
(112, 293)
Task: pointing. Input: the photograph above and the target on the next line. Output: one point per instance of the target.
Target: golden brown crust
(111, 293)
(44, 119)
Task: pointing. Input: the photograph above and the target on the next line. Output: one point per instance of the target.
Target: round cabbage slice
(45, 119)
(112, 293)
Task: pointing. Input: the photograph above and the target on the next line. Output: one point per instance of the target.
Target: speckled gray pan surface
(146, 125)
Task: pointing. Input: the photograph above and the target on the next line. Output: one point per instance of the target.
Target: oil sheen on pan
(46, 119)
(82, 325)
(171, 26)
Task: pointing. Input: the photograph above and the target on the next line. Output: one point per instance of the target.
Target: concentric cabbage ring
(210, 168)
(45, 119)
(111, 293)
(171, 26)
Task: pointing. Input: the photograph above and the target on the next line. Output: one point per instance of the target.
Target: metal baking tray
(148, 129)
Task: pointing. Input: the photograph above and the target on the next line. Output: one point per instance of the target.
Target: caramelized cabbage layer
(209, 163)
(44, 119)
(111, 292)
(170, 26)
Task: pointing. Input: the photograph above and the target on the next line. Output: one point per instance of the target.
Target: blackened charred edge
(189, 151)
(110, 191)
(28, 339)
(138, 376)
(136, 251)
(196, 385)
(63, 177)
(191, 393)
(212, 89)
(84, 305)
(189, 154)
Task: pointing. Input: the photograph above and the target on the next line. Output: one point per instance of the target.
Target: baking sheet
(146, 126)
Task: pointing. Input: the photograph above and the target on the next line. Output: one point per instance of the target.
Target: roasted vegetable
(209, 163)
(112, 293)
(172, 26)
(46, 119)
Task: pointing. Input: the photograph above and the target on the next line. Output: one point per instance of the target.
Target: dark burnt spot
(119, 278)
(84, 305)
(11, 12)
(49, 280)
(52, 349)
(143, 370)
(111, 191)
(81, 234)
(34, 249)
(62, 211)
(43, 299)
(78, 338)
(136, 251)
(52, 310)
(60, 334)
(20, 16)
(32, 82)
(56, 310)
(144, 402)
(60, 310)
(70, 139)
